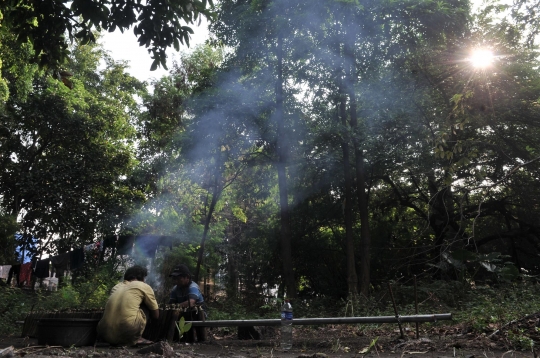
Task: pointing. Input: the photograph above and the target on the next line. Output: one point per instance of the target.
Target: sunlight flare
(481, 58)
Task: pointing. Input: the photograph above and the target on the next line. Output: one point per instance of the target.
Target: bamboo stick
(172, 325)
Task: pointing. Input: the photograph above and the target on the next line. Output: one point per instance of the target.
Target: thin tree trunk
(232, 263)
(365, 236)
(286, 252)
(208, 218)
(440, 217)
(352, 278)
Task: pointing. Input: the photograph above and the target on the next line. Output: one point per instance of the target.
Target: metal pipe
(317, 321)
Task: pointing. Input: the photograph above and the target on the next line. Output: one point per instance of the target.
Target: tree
(440, 161)
(45, 24)
(523, 24)
(67, 152)
(187, 163)
(269, 44)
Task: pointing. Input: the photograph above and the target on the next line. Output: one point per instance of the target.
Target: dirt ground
(352, 341)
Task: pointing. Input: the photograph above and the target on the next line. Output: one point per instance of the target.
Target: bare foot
(143, 342)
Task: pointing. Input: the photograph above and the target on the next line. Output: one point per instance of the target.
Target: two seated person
(124, 318)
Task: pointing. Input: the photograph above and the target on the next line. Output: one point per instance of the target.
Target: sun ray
(481, 58)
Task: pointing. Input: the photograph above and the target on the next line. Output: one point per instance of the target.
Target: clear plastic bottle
(286, 325)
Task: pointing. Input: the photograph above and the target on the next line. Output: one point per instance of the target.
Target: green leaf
(188, 29)
(182, 326)
(509, 272)
(456, 98)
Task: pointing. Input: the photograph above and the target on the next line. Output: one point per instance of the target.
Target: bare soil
(440, 341)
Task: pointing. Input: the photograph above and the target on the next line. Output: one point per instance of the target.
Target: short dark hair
(136, 272)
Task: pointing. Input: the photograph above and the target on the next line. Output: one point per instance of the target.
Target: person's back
(123, 320)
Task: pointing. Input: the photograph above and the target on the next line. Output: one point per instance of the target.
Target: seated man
(187, 295)
(124, 320)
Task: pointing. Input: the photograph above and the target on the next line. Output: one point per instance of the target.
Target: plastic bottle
(286, 325)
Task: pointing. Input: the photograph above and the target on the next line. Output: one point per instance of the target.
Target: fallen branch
(511, 323)
(30, 349)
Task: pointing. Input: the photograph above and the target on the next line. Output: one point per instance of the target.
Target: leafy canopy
(45, 24)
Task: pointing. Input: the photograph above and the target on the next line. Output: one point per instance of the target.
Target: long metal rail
(317, 321)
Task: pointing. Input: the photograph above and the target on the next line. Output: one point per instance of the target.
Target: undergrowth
(476, 309)
(86, 293)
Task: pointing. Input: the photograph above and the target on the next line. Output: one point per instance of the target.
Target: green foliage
(64, 147)
(90, 291)
(486, 307)
(14, 305)
(4, 90)
(45, 25)
(8, 229)
(450, 153)
(520, 340)
(93, 286)
(165, 263)
(182, 327)
(469, 266)
(65, 298)
(235, 309)
(370, 347)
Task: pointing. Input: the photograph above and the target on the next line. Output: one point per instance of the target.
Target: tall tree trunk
(365, 236)
(440, 217)
(232, 263)
(215, 195)
(352, 278)
(286, 252)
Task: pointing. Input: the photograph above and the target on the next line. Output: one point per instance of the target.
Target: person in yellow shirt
(124, 320)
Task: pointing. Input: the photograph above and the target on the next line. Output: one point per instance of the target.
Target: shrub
(14, 306)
